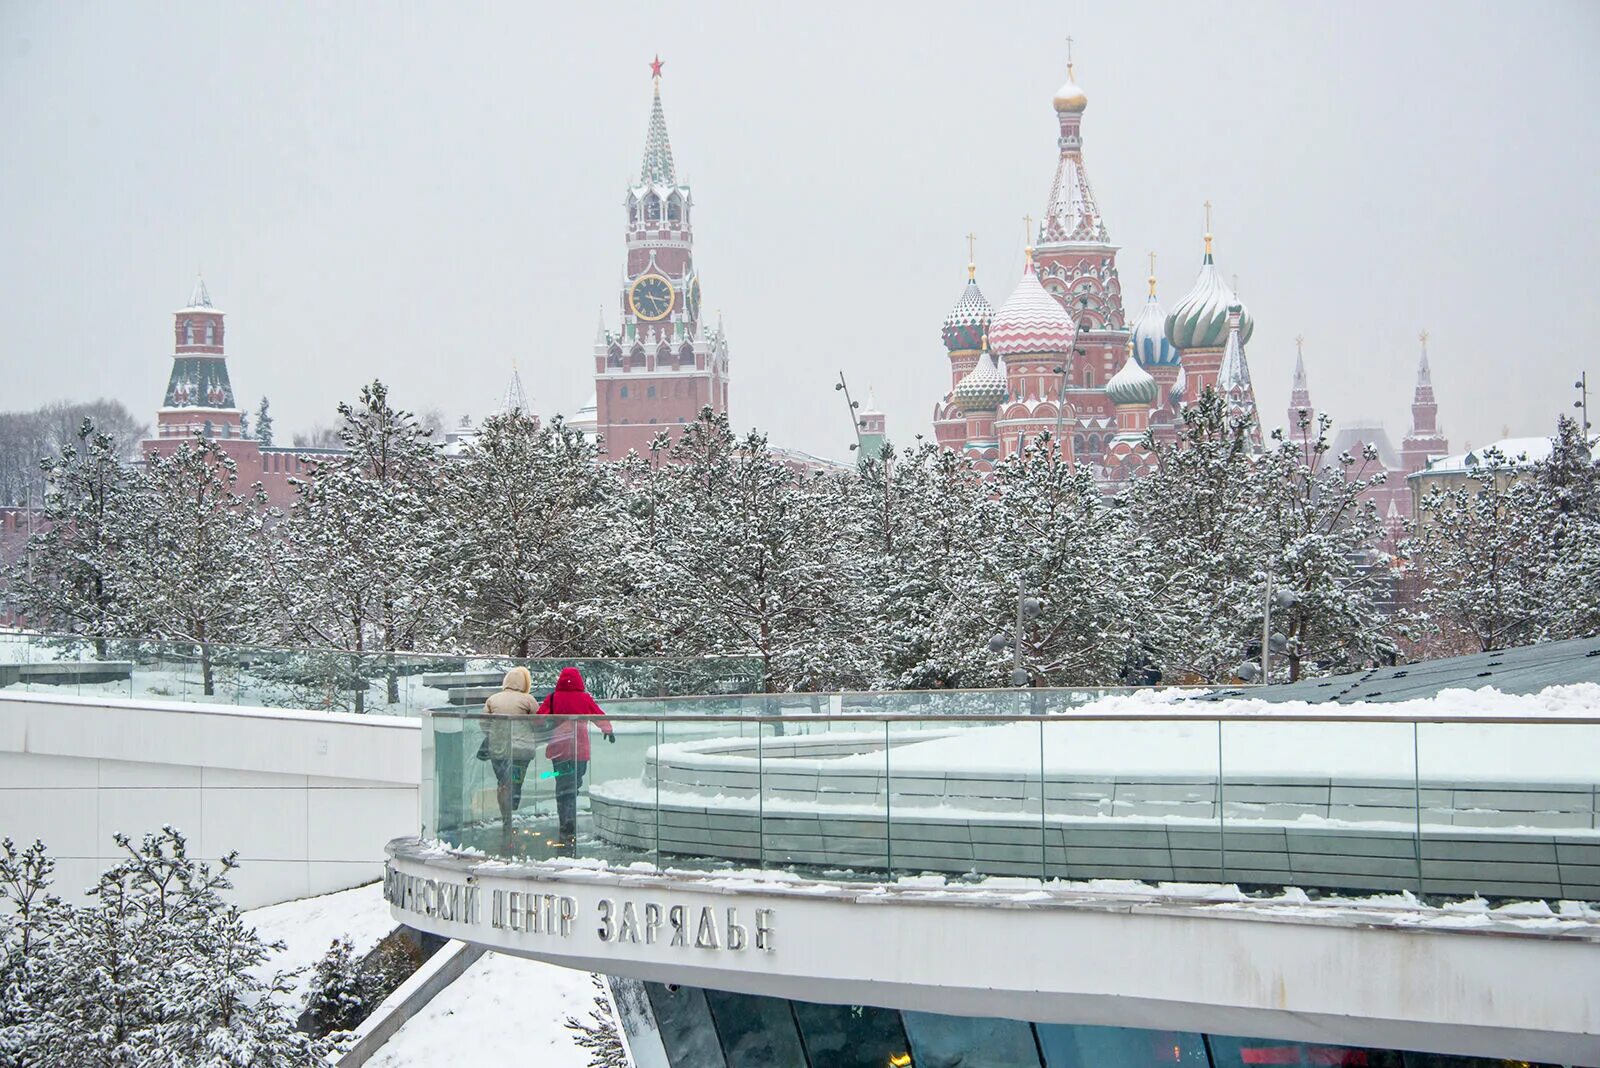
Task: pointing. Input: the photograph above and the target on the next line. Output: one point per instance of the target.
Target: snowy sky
(428, 191)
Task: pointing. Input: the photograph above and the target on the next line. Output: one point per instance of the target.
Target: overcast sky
(428, 192)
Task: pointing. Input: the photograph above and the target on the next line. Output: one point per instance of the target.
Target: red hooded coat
(571, 738)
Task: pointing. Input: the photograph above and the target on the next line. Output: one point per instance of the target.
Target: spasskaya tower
(664, 363)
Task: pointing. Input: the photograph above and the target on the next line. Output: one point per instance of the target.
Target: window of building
(961, 1040)
(756, 1032)
(624, 393)
(1230, 1052)
(211, 336)
(1088, 378)
(650, 391)
(188, 332)
(852, 1036)
(652, 422)
(685, 1024)
(1078, 1046)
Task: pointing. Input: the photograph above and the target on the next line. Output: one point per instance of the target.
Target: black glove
(612, 738)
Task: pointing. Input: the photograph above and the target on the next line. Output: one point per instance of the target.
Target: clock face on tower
(651, 297)
(692, 298)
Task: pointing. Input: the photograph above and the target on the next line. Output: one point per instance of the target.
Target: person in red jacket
(568, 748)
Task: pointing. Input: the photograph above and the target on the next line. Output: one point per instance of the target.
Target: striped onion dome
(1031, 321)
(1200, 320)
(964, 327)
(1132, 385)
(984, 387)
(1150, 344)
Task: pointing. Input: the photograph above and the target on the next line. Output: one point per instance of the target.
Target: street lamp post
(1027, 608)
(855, 422)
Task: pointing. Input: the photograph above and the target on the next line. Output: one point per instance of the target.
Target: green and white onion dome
(1132, 385)
(1151, 346)
(968, 321)
(984, 387)
(1200, 320)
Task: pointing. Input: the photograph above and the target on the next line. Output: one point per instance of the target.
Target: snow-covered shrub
(598, 1033)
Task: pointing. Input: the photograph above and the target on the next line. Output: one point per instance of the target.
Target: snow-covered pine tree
(1322, 540)
(598, 1033)
(155, 969)
(191, 569)
(911, 521)
(535, 538)
(1484, 554)
(1195, 549)
(264, 423)
(360, 564)
(66, 582)
(744, 557)
(1566, 500)
(1050, 538)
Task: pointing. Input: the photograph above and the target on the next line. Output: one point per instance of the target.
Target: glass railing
(400, 684)
(1354, 805)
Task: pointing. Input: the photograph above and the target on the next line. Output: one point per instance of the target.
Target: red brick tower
(1077, 265)
(663, 365)
(1300, 400)
(1425, 442)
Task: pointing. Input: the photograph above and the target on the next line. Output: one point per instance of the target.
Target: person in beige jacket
(507, 741)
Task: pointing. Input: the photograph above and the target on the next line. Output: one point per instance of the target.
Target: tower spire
(200, 297)
(1424, 375)
(1426, 441)
(657, 168)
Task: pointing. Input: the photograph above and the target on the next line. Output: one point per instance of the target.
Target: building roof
(1352, 436)
(1519, 452)
(1524, 670)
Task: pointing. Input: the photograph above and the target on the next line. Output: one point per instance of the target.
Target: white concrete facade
(307, 799)
(1373, 976)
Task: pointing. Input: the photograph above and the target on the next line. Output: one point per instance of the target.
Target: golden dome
(1069, 97)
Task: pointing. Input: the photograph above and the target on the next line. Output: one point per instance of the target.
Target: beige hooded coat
(513, 699)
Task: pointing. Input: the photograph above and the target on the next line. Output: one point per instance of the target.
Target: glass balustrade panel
(1327, 805)
(1508, 811)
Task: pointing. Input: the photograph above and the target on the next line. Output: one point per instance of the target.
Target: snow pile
(504, 1010)
(308, 926)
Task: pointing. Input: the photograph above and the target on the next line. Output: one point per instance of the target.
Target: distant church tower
(663, 365)
(1077, 264)
(1300, 401)
(199, 396)
(1425, 442)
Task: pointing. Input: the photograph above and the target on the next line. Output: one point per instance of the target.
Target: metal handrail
(1068, 714)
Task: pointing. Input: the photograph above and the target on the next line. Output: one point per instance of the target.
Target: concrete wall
(307, 799)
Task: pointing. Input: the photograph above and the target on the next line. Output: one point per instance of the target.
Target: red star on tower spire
(655, 66)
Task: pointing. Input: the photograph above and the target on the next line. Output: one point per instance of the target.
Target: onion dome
(1069, 97)
(1200, 320)
(1132, 385)
(964, 327)
(1150, 344)
(1031, 320)
(984, 387)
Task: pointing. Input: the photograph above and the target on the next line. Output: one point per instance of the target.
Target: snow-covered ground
(504, 1010)
(308, 926)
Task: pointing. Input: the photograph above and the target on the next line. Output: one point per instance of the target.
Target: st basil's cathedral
(1058, 355)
